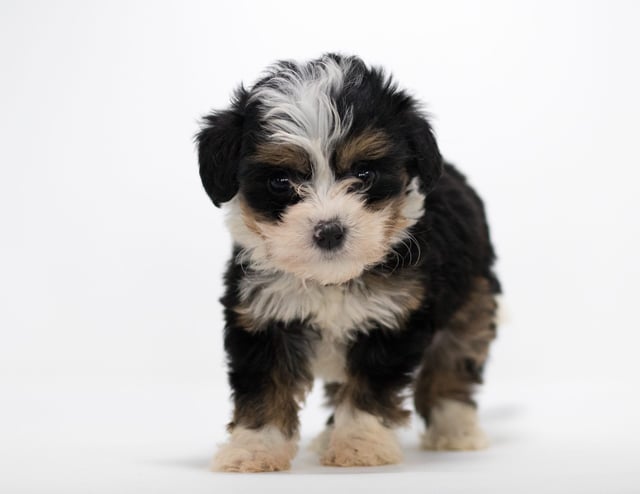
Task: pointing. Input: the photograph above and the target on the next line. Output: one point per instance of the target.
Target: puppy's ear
(426, 159)
(219, 147)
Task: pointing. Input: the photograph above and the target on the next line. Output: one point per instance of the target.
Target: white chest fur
(337, 312)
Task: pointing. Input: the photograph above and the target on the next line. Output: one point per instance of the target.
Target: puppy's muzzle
(329, 235)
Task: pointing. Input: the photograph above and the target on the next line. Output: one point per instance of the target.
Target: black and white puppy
(360, 258)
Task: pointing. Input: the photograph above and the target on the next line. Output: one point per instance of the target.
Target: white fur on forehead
(298, 108)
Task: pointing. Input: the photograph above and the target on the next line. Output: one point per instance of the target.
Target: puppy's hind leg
(451, 367)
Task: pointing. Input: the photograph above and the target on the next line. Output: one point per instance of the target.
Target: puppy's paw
(232, 458)
(359, 452)
(461, 440)
(263, 450)
(363, 441)
(454, 427)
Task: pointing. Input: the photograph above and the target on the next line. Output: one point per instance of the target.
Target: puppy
(359, 258)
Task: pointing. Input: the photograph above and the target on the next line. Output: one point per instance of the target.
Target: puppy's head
(324, 167)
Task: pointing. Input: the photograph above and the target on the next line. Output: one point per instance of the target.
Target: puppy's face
(324, 167)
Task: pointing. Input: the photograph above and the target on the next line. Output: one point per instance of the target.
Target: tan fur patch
(453, 363)
(245, 320)
(370, 145)
(396, 224)
(408, 289)
(249, 217)
(285, 155)
(278, 406)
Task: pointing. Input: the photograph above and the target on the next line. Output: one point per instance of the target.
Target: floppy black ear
(426, 158)
(219, 146)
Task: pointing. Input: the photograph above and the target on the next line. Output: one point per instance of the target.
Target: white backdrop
(111, 365)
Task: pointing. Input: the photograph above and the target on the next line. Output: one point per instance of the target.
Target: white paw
(262, 450)
(463, 440)
(361, 440)
(454, 427)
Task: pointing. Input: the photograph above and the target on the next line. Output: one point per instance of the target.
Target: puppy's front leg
(269, 376)
(369, 403)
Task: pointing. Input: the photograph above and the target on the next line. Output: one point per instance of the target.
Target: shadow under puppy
(359, 258)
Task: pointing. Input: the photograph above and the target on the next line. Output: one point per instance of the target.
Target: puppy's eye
(367, 175)
(279, 184)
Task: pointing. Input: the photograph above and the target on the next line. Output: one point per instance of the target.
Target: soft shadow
(202, 463)
(494, 419)
(502, 413)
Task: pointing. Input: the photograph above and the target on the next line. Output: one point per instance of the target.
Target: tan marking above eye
(370, 145)
(283, 155)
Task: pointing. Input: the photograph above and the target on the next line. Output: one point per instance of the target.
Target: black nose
(329, 235)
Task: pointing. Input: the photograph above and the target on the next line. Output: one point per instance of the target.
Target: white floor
(155, 435)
